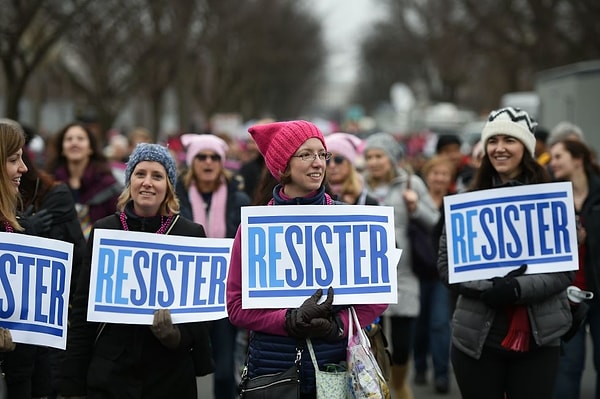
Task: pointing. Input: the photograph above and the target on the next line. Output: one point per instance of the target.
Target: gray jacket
(427, 213)
(544, 294)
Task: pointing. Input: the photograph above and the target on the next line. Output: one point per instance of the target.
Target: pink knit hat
(347, 145)
(194, 143)
(278, 141)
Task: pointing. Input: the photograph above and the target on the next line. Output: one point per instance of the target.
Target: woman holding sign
(113, 360)
(506, 331)
(295, 155)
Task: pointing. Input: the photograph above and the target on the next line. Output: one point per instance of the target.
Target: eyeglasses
(338, 160)
(309, 156)
(204, 157)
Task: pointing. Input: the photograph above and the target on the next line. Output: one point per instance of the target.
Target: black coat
(126, 361)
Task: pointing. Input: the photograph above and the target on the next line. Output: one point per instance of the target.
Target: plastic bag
(365, 377)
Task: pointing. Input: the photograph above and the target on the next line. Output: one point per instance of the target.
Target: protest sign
(35, 276)
(133, 274)
(492, 232)
(290, 251)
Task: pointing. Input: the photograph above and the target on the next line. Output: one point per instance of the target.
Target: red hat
(278, 141)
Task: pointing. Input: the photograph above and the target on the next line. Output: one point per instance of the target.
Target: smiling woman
(108, 360)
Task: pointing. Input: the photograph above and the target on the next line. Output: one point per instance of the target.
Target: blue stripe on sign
(266, 293)
(512, 199)
(16, 325)
(50, 253)
(142, 311)
(322, 219)
(517, 262)
(164, 247)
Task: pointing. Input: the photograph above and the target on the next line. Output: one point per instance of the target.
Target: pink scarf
(213, 221)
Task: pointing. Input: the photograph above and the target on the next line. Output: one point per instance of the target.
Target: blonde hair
(12, 139)
(353, 184)
(169, 206)
(436, 161)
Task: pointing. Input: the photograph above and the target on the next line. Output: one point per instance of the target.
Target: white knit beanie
(512, 122)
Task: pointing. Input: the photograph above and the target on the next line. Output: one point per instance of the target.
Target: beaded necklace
(8, 227)
(164, 223)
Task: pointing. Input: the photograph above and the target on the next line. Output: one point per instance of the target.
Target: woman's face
(378, 163)
(15, 168)
(207, 166)
(306, 176)
(76, 146)
(439, 178)
(505, 154)
(562, 163)
(148, 187)
(338, 169)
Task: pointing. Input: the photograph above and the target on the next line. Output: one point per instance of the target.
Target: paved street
(427, 392)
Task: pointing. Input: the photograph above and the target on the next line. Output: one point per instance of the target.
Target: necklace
(164, 223)
(8, 227)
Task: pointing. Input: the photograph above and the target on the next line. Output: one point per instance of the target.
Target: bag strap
(313, 357)
(172, 224)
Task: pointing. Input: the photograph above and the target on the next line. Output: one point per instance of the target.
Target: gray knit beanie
(387, 143)
(155, 153)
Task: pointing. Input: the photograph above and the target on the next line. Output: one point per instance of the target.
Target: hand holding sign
(311, 317)
(164, 330)
(505, 291)
(6, 342)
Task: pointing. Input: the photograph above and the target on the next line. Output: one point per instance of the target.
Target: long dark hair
(579, 150)
(57, 159)
(531, 172)
(34, 184)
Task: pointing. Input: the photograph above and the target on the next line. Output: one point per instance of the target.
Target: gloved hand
(330, 329)
(164, 330)
(6, 342)
(298, 321)
(505, 290)
(37, 223)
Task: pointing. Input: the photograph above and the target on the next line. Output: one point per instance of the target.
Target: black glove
(310, 309)
(164, 330)
(38, 223)
(505, 290)
(330, 329)
(298, 321)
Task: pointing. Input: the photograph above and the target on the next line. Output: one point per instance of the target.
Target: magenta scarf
(213, 221)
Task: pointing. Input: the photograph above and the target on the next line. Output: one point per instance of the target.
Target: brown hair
(12, 139)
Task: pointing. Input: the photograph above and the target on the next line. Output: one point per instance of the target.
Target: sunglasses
(338, 160)
(204, 157)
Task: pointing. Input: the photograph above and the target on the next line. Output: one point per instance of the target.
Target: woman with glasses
(209, 195)
(344, 180)
(295, 154)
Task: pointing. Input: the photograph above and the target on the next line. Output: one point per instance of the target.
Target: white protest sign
(35, 276)
(492, 232)
(290, 251)
(134, 274)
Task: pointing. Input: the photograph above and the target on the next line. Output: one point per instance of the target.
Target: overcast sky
(344, 23)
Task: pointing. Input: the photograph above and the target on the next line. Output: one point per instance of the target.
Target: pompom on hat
(347, 145)
(278, 141)
(155, 153)
(512, 122)
(194, 143)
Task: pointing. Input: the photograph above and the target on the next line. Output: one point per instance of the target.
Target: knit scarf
(212, 219)
(319, 197)
(519, 330)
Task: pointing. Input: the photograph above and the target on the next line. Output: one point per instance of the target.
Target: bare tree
(28, 31)
(473, 51)
(258, 57)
